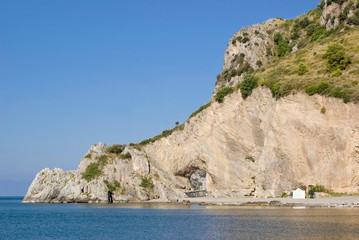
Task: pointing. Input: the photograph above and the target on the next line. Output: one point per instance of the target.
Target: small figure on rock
(109, 197)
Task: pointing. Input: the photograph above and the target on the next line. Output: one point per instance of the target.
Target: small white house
(299, 194)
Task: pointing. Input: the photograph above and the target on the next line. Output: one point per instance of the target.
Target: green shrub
(115, 186)
(250, 158)
(126, 155)
(295, 35)
(244, 68)
(249, 83)
(116, 148)
(278, 37)
(146, 141)
(316, 32)
(200, 109)
(151, 140)
(239, 38)
(180, 127)
(339, 1)
(323, 110)
(88, 156)
(103, 160)
(302, 69)
(317, 188)
(92, 171)
(245, 39)
(336, 57)
(279, 89)
(335, 1)
(165, 133)
(283, 44)
(320, 88)
(340, 93)
(303, 23)
(231, 73)
(284, 195)
(147, 183)
(224, 91)
(321, 4)
(259, 63)
(310, 30)
(344, 14)
(336, 73)
(353, 20)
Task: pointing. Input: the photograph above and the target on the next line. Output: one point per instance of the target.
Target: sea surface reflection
(172, 221)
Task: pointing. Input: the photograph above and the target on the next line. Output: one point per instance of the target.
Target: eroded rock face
(59, 186)
(331, 15)
(262, 146)
(254, 147)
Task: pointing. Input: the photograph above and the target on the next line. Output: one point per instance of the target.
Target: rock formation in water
(258, 145)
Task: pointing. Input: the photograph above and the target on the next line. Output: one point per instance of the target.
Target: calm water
(167, 221)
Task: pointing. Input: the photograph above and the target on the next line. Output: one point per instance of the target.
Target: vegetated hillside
(308, 69)
(317, 52)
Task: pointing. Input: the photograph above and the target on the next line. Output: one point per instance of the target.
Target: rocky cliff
(254, 146)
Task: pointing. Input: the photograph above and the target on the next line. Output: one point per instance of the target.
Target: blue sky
(74, 73)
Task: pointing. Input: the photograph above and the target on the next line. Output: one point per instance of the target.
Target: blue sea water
(171, 221)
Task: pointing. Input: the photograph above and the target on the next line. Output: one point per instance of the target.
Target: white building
(299, 194)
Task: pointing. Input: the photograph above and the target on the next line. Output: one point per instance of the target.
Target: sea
(171, 221)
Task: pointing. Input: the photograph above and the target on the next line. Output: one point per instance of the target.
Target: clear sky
(77, 72)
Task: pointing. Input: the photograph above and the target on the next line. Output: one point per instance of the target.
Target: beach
(338, 202)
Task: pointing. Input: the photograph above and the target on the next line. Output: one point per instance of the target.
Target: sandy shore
(343, 202)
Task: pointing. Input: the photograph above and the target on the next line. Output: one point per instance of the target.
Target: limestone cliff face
(257, 146)
(59, 186)
(262, 146)
(254, 147)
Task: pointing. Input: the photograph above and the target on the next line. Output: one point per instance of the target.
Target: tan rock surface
(254, 147)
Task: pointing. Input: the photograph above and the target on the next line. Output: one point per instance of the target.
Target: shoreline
(331, 202)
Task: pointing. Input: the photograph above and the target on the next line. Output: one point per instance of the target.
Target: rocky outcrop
(254, 147)
(248, 48)
(253, 47)
(124, 176)
(337, 12)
